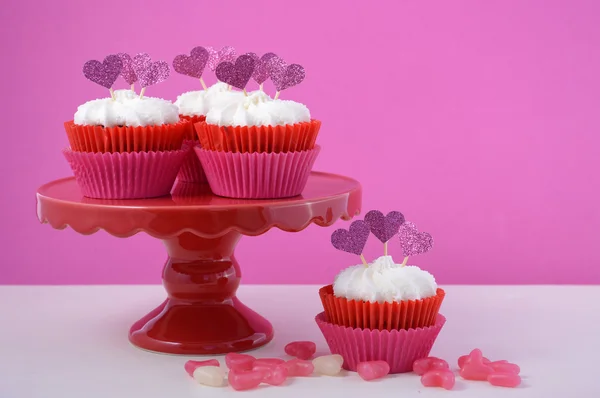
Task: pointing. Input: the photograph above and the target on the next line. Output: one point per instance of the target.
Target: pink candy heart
(236, 74)
(190, 366)
(353, 240)
(299, 368)
(241, 380)
(372, 370)
(237, 361)
(424, 365)
(439, 378)
(104, 73)
(502, 379)
(504, 367)
(463, 359)
(301, 349)
(473, 367)
(276, 376)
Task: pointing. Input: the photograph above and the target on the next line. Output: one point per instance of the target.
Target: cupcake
(382, 310)
(126, 146)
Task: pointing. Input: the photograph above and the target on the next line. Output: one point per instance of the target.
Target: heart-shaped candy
(192, 65)
(412, 241)
(226, 54)
(384, 227)
(439, 378)
(353, 240)
(104, 73)
(236, 74)
(261, 71)
(372, 370)
(237, 361)
(127, 73)
(301, 349)
(474, 368)
(284, 75)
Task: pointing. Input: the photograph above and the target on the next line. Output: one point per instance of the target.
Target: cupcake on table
(128, 145)
(194, 105)
(382, 310)
(258, 147)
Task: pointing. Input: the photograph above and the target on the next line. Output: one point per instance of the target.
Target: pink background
(479, 120)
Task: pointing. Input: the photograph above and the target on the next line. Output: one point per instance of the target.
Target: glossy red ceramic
(201, 314)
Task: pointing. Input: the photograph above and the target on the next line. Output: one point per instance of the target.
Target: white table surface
(71, 342)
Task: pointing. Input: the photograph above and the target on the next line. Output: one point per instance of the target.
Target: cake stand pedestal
(201, 314)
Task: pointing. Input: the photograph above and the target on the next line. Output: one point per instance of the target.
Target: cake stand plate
(201, 314)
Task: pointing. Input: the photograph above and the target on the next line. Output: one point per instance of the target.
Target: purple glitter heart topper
(104, 73)
(238, 74)
(148, 72)
(283, 75)
(127, 73)
(261, 71)
(192, 65)
(384, 227)
(352, 240)
(226, 54)
(412, 241)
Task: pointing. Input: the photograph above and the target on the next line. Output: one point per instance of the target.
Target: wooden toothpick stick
(260, 87)
(405, 261)
(362, 257)
(133, 88)
(142, 92)
(203, 85)
(276, 95)
(112, 94)
(245, 93)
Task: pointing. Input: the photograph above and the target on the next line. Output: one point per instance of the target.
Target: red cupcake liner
(399, 348)
(166, 137)
(271, 139)
(190, 133)
(191, 169)
(129, 175)
(257, 175)
(382, 316)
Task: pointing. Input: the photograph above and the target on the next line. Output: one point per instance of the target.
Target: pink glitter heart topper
(352, 240)
(192, 65)
(127, 73)
(148, 72)
(226, 54)
(104, 73)
(261, 71)
(238, 74)
(384, 227)
(283, 75)
(414, 242)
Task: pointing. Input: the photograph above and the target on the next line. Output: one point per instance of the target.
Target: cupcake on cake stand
(200, 230)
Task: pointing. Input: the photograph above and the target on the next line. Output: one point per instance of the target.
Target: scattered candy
(237, 361)
(241, 380)
(372, 370)
(462, 359)
(301, 349)
(439, 378)
(474, 368)
(213, 376)
(423, 365)
(190, 366)
(266, 364)
(298, 367)
(276, 376)
(504, 379)
(505, 367)
(328, 365)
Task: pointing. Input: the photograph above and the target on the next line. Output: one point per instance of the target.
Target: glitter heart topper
(192, 65)
(412, 241)
(238, 74)
(261, 71)
(283, 75)
(226, 54)
(149, 72)
(127, 73)
(384, 227)
(352, 240)
(104, 73)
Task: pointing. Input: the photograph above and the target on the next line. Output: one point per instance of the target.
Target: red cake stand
(201, 314)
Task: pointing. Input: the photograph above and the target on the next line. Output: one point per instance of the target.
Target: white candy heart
(328, 365)
(213, 376)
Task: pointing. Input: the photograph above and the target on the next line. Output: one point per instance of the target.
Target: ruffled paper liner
(257, 175)
(190, 133)
(381, 316)
(191, 169)
(166, 137)
(399, 348)
(270, 139)
(133, 175)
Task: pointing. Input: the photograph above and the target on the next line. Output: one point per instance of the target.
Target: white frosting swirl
(257, 109)
(383, 280)
(198, 103)
(126, 110)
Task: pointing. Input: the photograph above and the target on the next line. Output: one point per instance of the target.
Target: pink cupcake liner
(399, 348)
(191, 169)
(258, 175)
(126, 175)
